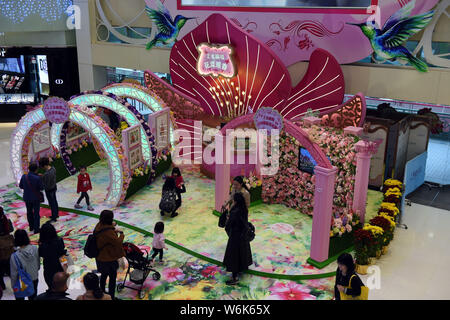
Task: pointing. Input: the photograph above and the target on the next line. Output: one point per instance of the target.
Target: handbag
(249, 232)
(363, 296)
(223, 218)
(23, 287)
(66, 262)
(39, 194)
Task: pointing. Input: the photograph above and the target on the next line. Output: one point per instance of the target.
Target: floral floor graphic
(281, 246)
(182, 276)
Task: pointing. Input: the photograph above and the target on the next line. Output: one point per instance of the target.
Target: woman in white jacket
(28, 256)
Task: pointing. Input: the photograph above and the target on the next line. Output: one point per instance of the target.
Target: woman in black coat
(238, 255)
(51, 249)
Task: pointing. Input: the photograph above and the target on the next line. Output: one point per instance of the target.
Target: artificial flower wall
(294, 188)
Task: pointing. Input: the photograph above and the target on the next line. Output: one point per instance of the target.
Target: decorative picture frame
(135, 158)
(134, 136)
(41, 140)
(159, 123)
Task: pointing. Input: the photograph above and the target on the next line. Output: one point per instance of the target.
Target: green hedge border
(137, 183)
(340, 244)
(87, 156)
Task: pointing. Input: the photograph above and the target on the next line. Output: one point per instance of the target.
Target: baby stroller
(140, 264)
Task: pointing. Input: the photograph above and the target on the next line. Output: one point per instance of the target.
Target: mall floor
(414, 268)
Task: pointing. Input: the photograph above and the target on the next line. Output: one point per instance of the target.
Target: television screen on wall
(306, 163)
(12, 64)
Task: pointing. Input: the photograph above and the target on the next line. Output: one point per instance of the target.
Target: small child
(179, 183)
(158, 243)
(84, 185)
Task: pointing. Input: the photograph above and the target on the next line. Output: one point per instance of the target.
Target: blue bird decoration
(387, 43)
(168, 29)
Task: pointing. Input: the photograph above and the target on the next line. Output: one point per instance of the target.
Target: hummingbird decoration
(387, 42)
(168, 29)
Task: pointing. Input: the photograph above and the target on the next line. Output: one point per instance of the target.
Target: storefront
(28, 75)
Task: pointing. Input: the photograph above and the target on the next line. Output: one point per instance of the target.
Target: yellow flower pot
(361, 268)
(372, 261)
(384, 250)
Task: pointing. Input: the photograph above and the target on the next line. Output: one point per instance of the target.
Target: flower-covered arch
(142, 94)
(324, 187)
(32, 121)
(139, 93)
(119, 106)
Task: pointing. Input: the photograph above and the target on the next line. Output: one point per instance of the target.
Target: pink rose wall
(295, 188)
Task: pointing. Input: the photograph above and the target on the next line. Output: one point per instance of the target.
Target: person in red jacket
(84, 185)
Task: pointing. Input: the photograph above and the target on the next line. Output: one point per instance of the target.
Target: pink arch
(294, 130)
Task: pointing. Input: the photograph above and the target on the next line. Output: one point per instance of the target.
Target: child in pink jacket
(158, 241)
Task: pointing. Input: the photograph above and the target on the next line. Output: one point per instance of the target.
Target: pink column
(222, 172)
(309, 121)
(259, 145)
(365, 150)
(357, 131)
(323, 205)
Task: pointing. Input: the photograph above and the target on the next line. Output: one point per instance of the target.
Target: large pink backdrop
(262, 79)
(294, 36)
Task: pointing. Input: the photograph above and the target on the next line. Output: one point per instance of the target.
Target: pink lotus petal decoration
(321, 89)
(262, 79)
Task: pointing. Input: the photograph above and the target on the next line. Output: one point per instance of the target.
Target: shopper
(168, 201)
(84, 185)
(238, 185)
(51, 249)
(238, 254)
(158, 243)
(58, 290)
(179, 184)
(28, 257)
(347, 281)
(109, 243)
(32, 186)
(93, 291)
(6, 246)
(49, 181)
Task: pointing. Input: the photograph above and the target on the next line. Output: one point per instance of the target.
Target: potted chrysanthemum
(364, 242)
(388, 226)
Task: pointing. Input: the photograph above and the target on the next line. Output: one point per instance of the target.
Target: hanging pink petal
(321, 89)
(262, 78)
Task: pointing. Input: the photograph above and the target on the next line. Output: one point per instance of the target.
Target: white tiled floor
(416, 266)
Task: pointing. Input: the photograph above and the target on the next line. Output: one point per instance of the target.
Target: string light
(234, 98)
(49, 10)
